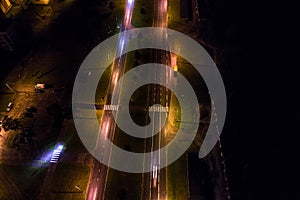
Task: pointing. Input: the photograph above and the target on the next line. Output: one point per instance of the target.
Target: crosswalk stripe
(158, 109)
(55, 156)
(111, 107)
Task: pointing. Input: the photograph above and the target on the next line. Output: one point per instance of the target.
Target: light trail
(96, 188)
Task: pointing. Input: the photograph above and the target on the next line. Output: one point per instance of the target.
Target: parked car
(9, 106)
(28, 114)
(39, 86)
(3, 119)
(31, 109)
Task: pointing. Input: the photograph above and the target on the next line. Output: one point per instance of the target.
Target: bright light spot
(127, 16)
(106, 129)
(165, 4)
(95, 193)
(129, 2)
(154, 176)
(175, 68)
(116, 78)
(46, 156)
(60, 147)
(122, 44)
(154, 171)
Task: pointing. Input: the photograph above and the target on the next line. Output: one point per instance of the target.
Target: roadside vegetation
(25, 180)
(100, 96)
(177, 179)
(143, 13)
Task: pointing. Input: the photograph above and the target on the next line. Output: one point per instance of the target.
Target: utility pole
(10, 88)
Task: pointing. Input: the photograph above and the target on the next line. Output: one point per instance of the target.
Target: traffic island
(177, 179)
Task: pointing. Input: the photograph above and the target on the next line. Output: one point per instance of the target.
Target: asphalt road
(97, 183)
(157, 188)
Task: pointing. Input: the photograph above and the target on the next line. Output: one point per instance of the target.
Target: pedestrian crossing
(156, 108)
(56, 153)
(111, 107)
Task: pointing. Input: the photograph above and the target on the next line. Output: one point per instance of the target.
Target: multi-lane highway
(98, 178)
(155, 183)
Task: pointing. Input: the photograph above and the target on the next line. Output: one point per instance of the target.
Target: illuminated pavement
(155, 182)
(98, 177)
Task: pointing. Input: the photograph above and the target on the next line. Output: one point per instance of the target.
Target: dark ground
(199, 181)
(261, 136)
